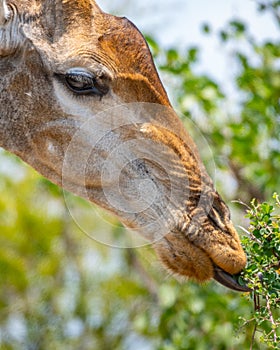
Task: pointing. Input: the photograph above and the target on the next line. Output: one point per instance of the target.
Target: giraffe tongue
(228, 281)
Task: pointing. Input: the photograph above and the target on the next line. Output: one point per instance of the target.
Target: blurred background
(61, 289)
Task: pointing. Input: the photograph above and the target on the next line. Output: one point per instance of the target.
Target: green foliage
(190, 91)
(247, 134)
(62, 290)
(262, 274)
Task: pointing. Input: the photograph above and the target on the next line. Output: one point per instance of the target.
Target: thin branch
(249, 234)
(239, 201)
(271, 319)
(253, 336)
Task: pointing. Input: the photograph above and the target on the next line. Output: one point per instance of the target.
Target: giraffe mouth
(228, 280)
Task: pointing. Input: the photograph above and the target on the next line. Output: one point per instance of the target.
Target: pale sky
(178, 23)
(174, 21)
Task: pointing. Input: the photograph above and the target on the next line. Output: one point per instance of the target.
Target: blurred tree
(245, 136)
(61, 290)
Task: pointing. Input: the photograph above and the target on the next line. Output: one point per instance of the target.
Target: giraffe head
(82, 103)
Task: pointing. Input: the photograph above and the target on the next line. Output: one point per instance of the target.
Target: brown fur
(40, 119)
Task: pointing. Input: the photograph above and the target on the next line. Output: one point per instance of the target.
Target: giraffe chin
(228, 280)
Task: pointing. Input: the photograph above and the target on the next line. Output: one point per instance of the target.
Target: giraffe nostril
(216, 219)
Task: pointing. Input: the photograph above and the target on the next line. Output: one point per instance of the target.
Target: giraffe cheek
(182, 258)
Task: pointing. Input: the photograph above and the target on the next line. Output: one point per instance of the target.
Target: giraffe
(82, 103)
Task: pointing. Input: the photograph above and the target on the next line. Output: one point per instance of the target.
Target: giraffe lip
(228, 281)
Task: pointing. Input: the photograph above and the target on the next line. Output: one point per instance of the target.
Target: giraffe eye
(80, 81)
(83, 82)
